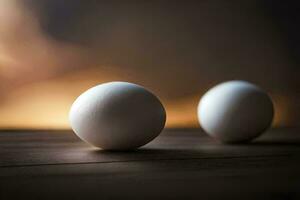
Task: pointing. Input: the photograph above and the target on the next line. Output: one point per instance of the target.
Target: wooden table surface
(179, 164)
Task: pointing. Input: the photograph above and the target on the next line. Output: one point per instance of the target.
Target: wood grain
(178, 164)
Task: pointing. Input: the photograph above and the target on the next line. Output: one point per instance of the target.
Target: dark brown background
(52, 50)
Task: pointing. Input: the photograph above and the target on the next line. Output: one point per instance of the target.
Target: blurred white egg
(235, 111)
(117, 116)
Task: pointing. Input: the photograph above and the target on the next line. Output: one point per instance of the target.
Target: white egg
(235, 111)
(117, 116)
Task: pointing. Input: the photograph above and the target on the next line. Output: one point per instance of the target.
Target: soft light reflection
(26, 52)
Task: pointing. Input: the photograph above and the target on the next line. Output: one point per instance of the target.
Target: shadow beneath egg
(144, 151)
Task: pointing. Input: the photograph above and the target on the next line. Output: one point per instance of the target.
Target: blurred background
(53, 50)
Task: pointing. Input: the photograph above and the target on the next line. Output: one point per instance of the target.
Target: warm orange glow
(182, 112)
(45, 105)
(286, 109)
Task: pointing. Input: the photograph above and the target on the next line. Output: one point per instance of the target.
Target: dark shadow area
(276, 142)
(149, 152)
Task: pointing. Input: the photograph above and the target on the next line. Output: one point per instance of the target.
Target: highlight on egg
(235, 111)
(117, 116)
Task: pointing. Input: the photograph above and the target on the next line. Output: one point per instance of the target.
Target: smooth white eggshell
(235, 111)
(117, 116)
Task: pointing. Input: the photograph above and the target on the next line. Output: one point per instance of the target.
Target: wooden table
(179, 164)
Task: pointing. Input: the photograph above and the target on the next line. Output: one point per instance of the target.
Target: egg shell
(117, 116)
(235, 111)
